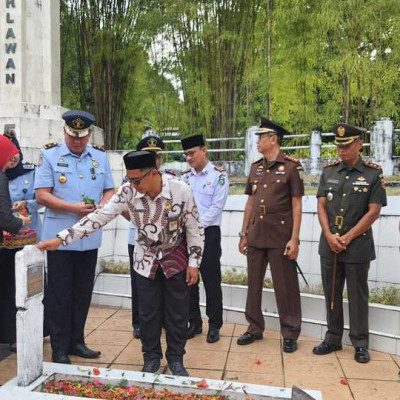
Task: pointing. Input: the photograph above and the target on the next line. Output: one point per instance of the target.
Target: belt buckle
(339, 220)
(263, 209)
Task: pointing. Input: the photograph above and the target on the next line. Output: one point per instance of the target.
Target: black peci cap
(346, 134)
(193, 141)
(140, 159)
(151, 143)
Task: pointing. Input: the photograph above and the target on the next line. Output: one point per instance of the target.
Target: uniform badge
(341, 131)
(301, 175)
(168, 205)
(95, 163)
(329, 196)
(62, 179)
(383, 182)
(281, 168)
(221, 180)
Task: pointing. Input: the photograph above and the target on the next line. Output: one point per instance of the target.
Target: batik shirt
(164, 225)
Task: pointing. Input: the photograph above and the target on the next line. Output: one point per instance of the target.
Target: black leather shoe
(213, 335)
(248, 338)
(194, 330)
(81, 350)
(361, 355)
(326, 348)
(136, 332)
(289, 345)
(60, 357)
(151, 366)
(177, 368)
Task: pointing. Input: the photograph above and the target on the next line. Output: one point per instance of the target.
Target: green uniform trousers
(356, 277)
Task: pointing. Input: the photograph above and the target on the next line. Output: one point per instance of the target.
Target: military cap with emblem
(151, 143)
(267, 126)
(193, 141)
(346, 134)
(78, 123)
(140, 159)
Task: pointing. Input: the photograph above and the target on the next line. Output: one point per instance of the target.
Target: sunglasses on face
(137, 181)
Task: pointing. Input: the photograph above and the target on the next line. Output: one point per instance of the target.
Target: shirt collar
(204, 171)
(64, 150)
(359, 166)
(279, 158)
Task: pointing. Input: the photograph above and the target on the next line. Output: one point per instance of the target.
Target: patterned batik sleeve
(194, 231)
(97, 219)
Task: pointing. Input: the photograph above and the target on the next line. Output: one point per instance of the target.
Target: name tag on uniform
(280, 172)
(336, 181)
(173, 225)
(62, 164)
(139, 210)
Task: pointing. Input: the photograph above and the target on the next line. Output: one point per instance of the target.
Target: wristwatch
(241, 234)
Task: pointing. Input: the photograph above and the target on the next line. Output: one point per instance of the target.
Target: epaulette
(219, 168)
(29, 166)
(50, 145)
(169, 171)
(97, 147)
(186, 172)
(331, 164)
(286, 157)
(258, 161)
(372, 165)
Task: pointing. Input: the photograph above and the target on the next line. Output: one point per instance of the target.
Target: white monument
(30, 83)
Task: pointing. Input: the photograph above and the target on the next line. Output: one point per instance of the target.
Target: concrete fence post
(382, 144)
(315, 152)
(252, 153)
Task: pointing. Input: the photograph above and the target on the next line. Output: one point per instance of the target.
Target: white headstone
(29, 267)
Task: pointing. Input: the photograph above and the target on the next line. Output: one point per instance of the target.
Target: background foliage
(214, 66)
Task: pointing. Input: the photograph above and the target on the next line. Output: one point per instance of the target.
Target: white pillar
(252, 153)
(29, 267)
(315, 152)
(382, 144)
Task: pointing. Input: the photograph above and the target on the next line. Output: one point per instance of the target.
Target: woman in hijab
(22, 193)
(9, 158)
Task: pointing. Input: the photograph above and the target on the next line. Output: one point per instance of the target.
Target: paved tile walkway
(337, 375)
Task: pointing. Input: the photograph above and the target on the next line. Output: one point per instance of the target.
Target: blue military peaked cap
(151, 143)
(78, 123)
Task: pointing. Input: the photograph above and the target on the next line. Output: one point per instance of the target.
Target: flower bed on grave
(96, 389)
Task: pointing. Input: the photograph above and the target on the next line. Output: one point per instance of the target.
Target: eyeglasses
(137, 181)
(189, 154)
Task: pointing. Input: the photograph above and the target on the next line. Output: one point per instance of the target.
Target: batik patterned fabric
(165, 226)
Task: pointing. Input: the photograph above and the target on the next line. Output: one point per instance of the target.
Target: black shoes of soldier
(194, 330)
(60, 357)
(176, 368)
(136, 332)
(248, 338)
(361, 355)
(81, 350)
(326, 348)
(289, 345)
(213, 335)
(151, 366)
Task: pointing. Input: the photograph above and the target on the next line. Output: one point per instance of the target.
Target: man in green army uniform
(351, 194)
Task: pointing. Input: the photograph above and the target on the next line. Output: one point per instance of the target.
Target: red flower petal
(96, 371)
(202, 384)
(344, 382)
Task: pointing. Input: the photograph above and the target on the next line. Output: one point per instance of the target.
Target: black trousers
(163, 300)
(210, 270)
(356, 277)
(135, 300)
(68, 292)
(8, 310)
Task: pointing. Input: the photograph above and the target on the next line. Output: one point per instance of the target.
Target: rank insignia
(62, 179)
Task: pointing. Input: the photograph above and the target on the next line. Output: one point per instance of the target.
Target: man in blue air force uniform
(210, 188)
(70, 174)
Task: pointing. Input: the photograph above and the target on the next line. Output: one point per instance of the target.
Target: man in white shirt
(210, 187)
(168, 252)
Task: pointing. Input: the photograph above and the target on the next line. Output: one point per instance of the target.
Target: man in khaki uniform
(351, 194)
(270, 234)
